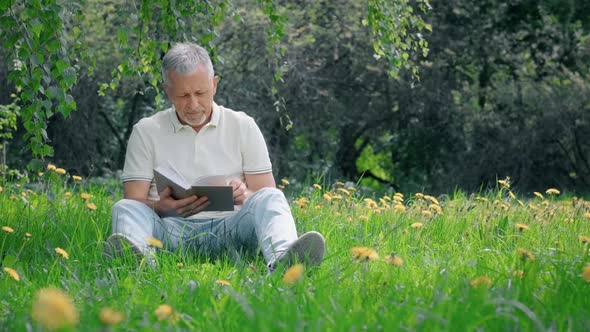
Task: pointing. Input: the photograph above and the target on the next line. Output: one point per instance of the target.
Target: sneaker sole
(308, 249)
(117, 245)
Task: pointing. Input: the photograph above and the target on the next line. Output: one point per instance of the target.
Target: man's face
(192, 96)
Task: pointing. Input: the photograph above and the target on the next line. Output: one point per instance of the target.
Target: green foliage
(52, 45)
(397, 32)
(8, 115)
(43, 72)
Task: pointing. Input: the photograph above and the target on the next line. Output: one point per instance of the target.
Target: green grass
(431, 291)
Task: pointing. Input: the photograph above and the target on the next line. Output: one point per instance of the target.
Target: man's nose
(194, 101)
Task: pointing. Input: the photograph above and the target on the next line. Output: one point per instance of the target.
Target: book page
(211, 180)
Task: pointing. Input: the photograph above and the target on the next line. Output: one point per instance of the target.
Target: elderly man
(198, 138)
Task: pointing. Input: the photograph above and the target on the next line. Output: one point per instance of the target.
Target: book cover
(216, 188)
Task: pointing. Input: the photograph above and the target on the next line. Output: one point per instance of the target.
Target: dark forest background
(503, 91)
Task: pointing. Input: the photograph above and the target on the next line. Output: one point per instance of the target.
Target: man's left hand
(241, 192)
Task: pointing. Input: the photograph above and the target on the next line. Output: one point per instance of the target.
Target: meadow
(487, 261)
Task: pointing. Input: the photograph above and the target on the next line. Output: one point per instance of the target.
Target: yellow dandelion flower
(23, 194)
(327, 197)
(587, 215)
(54, 309)
(398, 199)
(387, 198)
(417, 225)
(12, 273)
(339, 183)
(317, 186)
(344, 191)
(586, 273)
(383, 202)
(481, 281)
(481, 199)
(280, 186)
(399, 208)
(337, 196)
(505, 183)
(85, 195)
(436, 208)
(364, 218)
(293, 274)
(371, 204)
(76, 178)
(60, 171)
(518, 273)
(521, 227)
(526, 255)
(395, 260)
(110, 317)
(180, 264)
(165, 312)
(7, 229)
(511, 194)
(538, 194)
(27, 234)
(552, 191)
(91, 206)
(285, 181)
(154, 242)
(364, 253)
(40, 174)
(1, 189)
(51, 167)
(398, 195)
(520, 202)
(432, 199)
(419, 195)
(351, 189)
(426, 213)
(62, 253)
(222, 282)
(68, 194)
(584, 239)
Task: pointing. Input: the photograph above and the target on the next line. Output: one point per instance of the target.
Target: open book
(216, 188)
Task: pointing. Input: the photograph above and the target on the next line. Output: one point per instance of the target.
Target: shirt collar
(176, 125)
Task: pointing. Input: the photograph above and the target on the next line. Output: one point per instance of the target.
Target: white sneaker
(117, 245)
(308, 249)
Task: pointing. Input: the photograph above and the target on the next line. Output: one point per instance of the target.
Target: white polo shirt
(230, 144)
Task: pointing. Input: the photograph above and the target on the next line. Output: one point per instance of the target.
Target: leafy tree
(56, 55)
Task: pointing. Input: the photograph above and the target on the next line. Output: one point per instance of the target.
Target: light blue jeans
(264, 222)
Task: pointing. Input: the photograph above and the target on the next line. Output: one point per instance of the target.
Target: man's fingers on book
(166, 192)
(194, 209)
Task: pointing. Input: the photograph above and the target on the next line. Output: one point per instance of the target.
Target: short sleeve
(138, 159)
(254, 151)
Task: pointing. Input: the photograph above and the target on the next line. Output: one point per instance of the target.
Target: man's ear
(167, 90)
(215, 81)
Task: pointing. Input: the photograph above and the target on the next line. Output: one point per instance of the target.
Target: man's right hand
(186, 207)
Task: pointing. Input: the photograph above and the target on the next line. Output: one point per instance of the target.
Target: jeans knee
(270, 194)
(124, 204)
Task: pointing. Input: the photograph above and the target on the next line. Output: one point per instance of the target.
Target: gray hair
(184, 58)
